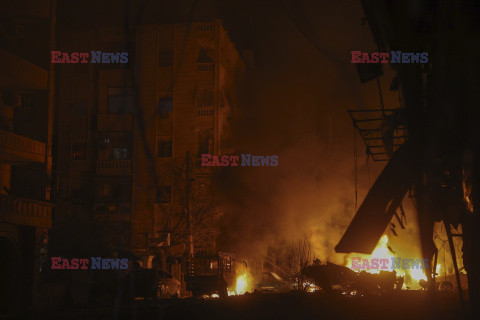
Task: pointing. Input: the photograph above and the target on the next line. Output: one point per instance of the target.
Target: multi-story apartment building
(126, 131)
(26, 106)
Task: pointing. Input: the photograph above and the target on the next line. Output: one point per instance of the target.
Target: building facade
(130, 135)
(26, 106)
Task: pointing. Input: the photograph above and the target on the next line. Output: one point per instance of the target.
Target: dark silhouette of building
(124, 131)
(26, 106)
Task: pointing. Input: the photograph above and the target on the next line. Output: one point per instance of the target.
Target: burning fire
(412, 276)
(242, 283)
(310, 287)
(381, 252)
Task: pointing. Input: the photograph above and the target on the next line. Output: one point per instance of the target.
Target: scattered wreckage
(331, 278)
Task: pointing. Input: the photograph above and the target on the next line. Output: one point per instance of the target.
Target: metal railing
(114, 167)
(14, 141)
(25, 211)
(205, 112)
(206, 26)
(205, 66)
(114, 164)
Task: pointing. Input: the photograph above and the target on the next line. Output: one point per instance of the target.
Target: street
(402, 305)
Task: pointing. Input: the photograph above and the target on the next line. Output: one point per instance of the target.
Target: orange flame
(412, 276)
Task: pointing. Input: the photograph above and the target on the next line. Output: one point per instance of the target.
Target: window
(79, 151)
(103, 191)
(205, 142)
(113, 192)
(114, 146)
(163, 194)
(112, 209)
(206, 51)
(165, 56)
(164, 149)
(120, 100)
(124, 208)
(205, 96)
(120, 154)
(165, 104)
(205, 55)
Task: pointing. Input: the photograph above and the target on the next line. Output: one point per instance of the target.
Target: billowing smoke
(295, 107)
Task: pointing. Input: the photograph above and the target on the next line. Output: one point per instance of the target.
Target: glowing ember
(214, 295)
(242, 284)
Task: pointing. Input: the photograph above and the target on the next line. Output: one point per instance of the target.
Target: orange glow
(412, 276)
(242, 284)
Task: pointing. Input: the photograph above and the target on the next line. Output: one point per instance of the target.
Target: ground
(403, 305)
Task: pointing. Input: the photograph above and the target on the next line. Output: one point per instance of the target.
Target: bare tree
(204, 211)
(299, 256)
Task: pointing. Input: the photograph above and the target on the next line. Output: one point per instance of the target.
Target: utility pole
(51, 105)
(188, 208)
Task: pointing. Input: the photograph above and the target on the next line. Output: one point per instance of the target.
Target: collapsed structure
(437, 162)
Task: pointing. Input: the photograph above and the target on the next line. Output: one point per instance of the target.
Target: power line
(302, 31)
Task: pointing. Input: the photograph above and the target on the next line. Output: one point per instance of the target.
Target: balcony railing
(25, 212)
(19, 148)
(17, 71)
(114, 166)
(205, 66)
(205, 111)
(113, 33)
(206, 30)
(208, 26)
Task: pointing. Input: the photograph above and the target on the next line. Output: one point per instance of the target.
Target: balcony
(114, 167)
(17, 149)
(205, 66)
(205, 111)
(206, 30)
(25, 212)
(19, 73)
(113, 34)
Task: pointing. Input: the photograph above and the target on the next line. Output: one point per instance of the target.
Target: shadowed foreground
(403, 305)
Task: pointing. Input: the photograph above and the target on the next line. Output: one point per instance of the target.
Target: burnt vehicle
(212, 274)
(331, 277)
(273, 283)
(151, 284)
(167, 285)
